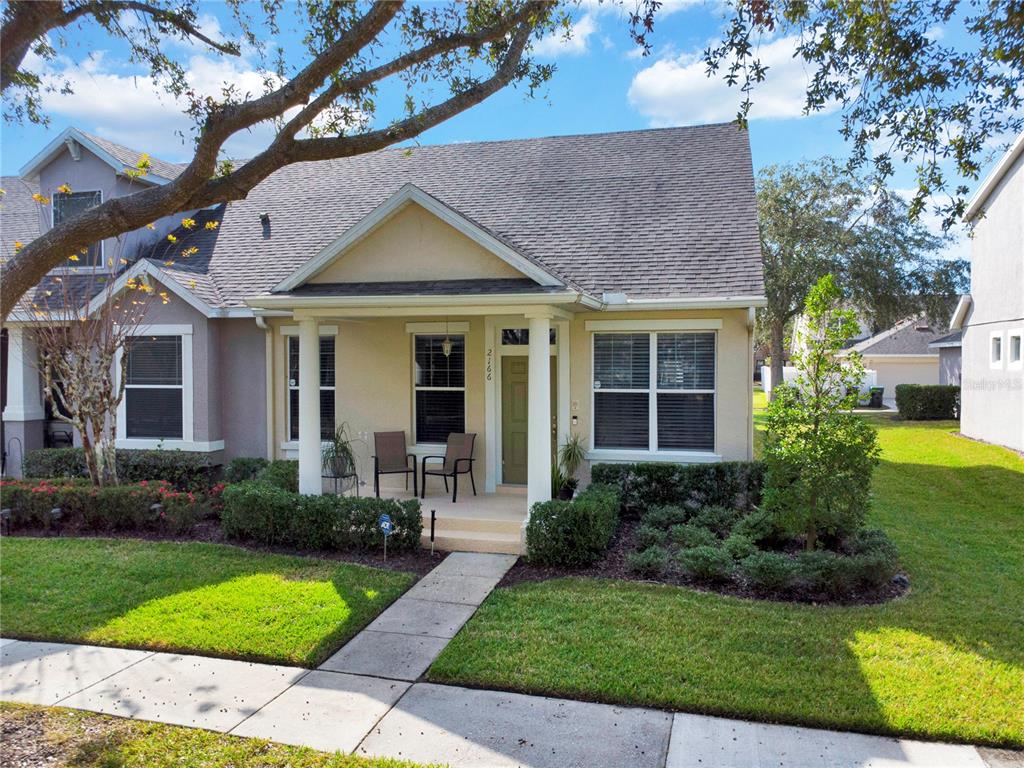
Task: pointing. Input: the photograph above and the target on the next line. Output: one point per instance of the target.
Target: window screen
(67, 205)
(681, 400)
(327, 379)
(622, 375)
(153, 388)
(440, 387)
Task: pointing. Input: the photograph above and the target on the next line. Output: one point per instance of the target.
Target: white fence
(790, 372)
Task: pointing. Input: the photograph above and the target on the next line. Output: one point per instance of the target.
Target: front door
(515, 408)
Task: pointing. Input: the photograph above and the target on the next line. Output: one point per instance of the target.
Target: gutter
(268, 372)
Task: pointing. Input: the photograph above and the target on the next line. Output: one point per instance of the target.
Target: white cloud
(678, 91)
(134, 110)
(577, 42)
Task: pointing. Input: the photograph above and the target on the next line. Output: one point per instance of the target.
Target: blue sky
(601, 84)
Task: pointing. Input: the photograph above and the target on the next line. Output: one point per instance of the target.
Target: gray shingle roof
(130, 157)
(20, 215)
(911, 337)
(666, 213)
(954, 339)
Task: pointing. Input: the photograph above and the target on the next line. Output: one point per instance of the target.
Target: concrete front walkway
(364, 699)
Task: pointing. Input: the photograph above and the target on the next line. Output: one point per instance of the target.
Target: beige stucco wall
(373, 386)
(992, 400)
(734, 376)
(374, 381)
(415, 245)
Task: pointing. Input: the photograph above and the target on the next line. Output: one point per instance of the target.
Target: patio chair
(391, 458)
(457, 460)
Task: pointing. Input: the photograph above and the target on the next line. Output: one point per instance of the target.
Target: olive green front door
(515, 409)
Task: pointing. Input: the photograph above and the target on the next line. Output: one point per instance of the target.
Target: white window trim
(187, 440)
(1018, 364)
(652, 453)
(997, 365)
(427, 448)
(325, 331)
(70, 268)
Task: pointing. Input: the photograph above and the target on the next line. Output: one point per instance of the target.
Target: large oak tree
(448, 56)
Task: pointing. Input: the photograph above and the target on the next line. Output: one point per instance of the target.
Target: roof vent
(922, 327)
(73, 148)
(613, 297)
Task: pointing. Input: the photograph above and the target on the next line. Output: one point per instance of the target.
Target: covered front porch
(504, 379)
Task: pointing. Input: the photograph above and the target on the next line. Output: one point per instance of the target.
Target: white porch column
(538, 473)
(24, 391)
(309, 407)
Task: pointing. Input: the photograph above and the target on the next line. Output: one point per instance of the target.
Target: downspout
(268, 368)
(751, 325)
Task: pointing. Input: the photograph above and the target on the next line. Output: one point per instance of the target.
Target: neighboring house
(901, 355)
(991, 317)
(948, 347)
(602, 285)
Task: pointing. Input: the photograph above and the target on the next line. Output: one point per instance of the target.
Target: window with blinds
(67, 205)
(154, 393)
(622, 379)
(327, 379)
(654, 391)
(439, 382)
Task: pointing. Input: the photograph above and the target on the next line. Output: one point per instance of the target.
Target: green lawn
(62, 738)
(199, 598)
(944, 662)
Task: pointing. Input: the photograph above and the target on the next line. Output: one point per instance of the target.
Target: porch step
(489, 524)
(474, 541)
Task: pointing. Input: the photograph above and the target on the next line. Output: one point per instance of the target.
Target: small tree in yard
(819, 454)
(79, 341)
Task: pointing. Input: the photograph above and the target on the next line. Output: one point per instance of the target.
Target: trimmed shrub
(739, 546)
(664, 517)
(648, 536)
(258, 511)
(119, 507)
(708, 563)
(244, 468)
(827, 572)
(185, 470)
(733, 484)
(717, 519)
(649, 562)
(281, 473)
(768, 571)
(689, 536)
(920, 402)
(759, 526)
(874, 559)
(573, 533)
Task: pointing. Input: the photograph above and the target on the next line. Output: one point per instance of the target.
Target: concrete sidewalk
(364, 699)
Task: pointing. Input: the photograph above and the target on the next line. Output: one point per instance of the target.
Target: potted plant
(337, 456)
(570, 458)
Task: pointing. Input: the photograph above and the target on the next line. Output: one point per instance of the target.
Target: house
(900, 355)
(949, 349)
(600, 285)
(991, 317)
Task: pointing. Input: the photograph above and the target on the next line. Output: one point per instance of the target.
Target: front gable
(414, 237)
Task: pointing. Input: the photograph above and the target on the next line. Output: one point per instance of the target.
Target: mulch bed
(614, 566)
(419, 563)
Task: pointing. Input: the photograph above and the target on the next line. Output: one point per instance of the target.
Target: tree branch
(196, 187)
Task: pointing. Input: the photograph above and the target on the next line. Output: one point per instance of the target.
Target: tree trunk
(90, 456)
(777, 351)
